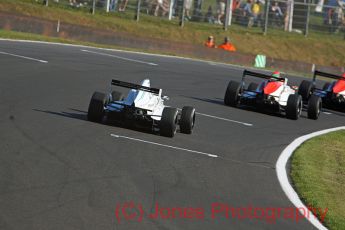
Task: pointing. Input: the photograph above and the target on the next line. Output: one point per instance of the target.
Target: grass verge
(318, 173)
(317, 48)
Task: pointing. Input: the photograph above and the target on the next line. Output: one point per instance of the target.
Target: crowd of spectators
(251, 13)
(248, 13)
(334, 15)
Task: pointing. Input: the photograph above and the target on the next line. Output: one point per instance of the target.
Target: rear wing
(135, 86)
(327, 75)
(260, 75)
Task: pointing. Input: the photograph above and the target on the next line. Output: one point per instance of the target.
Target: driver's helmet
(275, 74)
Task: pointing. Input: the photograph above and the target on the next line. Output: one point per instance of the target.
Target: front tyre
(314, 107)
(187, 119)
(232, 94)
(168, 122)
(96, 107)
(294, 106)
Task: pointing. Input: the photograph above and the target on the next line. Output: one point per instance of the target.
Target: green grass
(317, 48)
(318, 173)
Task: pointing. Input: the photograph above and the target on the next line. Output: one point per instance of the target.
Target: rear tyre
(187, 119)
(96, 107)
(232, 96)
(116, 96)
(294, 106)
(168, 123)
(314, 107)
(252, 86)
(305, 89)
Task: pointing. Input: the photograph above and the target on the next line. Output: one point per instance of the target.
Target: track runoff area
(61, 171)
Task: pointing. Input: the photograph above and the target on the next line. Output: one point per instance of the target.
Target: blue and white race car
(332, 93)
(143, 108)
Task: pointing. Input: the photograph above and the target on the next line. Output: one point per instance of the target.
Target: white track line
(163, 145)
(327, 113)
(283, 176)
(118, 57)
(221, 118)
(24, 57)
(193, 151)
(225, 119)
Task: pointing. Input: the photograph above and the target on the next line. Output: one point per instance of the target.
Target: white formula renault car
(142, 108)
(273, 94)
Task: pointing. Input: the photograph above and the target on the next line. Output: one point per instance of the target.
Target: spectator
(209, 16)
(210, 42)
(72, 2)
(161, 4)
(257, 13)
(276, 9)
(220, 11)
(235, 5)
(277, 14)
(227, 45)
(237, 12)
(112, 6)
(340, 17)
(174, 8)
(123, 5)
(187, 6)
(248, 14)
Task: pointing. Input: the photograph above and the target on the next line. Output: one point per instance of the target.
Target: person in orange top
(210, 42)
(227, 45)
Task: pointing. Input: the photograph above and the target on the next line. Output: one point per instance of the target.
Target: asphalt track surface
(60, 171)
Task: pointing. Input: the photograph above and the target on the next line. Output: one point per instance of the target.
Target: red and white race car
(332, 93)
(273, 93)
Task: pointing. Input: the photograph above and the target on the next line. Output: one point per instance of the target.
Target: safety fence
(325, 17)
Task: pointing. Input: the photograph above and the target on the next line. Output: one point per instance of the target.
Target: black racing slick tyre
(294, 106)
(305, 89)
(187, 119)
(232, 96)
(96, 107)
(252, 86)
(116, 96)
(168, 123)
(314, 107)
